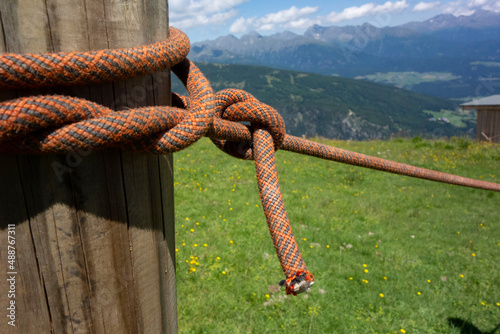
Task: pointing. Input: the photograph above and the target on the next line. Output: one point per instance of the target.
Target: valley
(340, 108)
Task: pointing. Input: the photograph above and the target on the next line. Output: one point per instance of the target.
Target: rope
(60, 124)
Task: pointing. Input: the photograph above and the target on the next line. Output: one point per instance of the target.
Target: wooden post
(94, 231)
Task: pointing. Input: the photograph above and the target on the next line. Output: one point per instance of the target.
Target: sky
(209, 19)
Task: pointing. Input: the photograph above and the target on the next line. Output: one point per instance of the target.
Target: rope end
(301, 282)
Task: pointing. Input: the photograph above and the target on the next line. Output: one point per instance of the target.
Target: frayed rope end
(300, 282)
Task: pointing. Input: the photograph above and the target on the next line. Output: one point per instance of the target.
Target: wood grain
(488, 122)
(94, 230)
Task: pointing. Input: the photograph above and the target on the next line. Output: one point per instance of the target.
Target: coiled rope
(60, 124)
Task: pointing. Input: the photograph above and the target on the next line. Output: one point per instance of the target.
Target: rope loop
(83, 68)
(60, 124)
(238, 106)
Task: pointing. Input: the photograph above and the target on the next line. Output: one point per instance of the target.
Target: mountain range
(446, 56)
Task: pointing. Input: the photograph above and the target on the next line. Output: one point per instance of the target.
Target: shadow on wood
(94, 242)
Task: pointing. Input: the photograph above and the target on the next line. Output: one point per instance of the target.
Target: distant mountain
(480, 26)
(353, 33)
(285, 35)
(334, 107)
(481, 19)
(465, 48)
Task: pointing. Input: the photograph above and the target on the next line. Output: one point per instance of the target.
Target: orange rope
(61, 124)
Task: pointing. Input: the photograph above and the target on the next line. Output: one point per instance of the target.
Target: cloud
(466, 8)
(241, 25)
(423, 6)
(193, 13)
(292, 17)
(300, 24)
(456, 8)
(203, 19)
(365, 10)
(492, 5)
(287, 15)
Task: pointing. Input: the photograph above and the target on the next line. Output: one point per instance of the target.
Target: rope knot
(236, 122)
(240, 112)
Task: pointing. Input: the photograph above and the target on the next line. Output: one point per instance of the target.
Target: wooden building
(488, 117)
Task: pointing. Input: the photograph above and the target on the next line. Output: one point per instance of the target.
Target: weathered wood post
(91, 233)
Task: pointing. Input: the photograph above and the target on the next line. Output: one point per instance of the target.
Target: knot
(61, 124)
(237, 113)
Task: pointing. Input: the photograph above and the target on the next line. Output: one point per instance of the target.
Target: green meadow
(390, 254)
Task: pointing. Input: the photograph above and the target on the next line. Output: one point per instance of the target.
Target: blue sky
(209, 19)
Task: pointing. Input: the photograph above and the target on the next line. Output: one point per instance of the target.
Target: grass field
(390, 254)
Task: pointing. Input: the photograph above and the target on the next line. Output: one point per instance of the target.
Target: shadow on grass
(468, 328)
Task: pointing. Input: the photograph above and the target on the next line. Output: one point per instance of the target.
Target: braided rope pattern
(274, 207)
(236, 122)
(155, 130)
(82, 68)
(301, 146)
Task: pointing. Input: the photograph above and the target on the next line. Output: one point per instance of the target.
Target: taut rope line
(59, 124)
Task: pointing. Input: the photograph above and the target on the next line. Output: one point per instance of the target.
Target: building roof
(493, 100)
